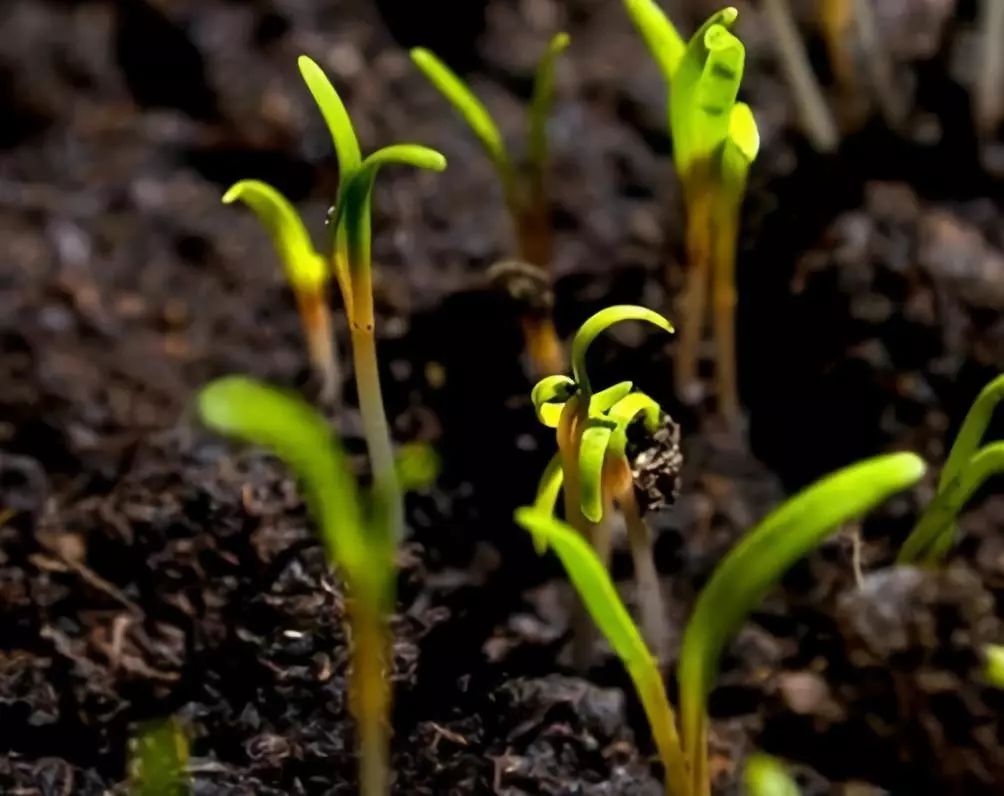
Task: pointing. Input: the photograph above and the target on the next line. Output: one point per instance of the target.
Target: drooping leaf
(592, 452)
(468, 106)
(305, 268)
(759, 560)
(594, 587)
(605, 398)
(600, 322)
(739, 150)
(294, 431)
(336, 117)
(624, 412)
(547, 497)
(543, 98)
(549, 396)
(665, 43)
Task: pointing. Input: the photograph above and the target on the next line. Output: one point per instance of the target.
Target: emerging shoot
(738, 584)
(357, 533)
(967, 468)
(767, 776)
(524, 189)
(592, 469)
(715, 140)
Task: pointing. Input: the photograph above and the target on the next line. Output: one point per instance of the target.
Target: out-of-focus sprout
(357, 532)
(767, 776)
(524, 190)
(989, 100)
(158, 760)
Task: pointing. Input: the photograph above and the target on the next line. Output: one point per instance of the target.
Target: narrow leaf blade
(335, 116)
(664, 42)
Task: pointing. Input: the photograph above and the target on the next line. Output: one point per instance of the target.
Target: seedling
(351, 259)
(967, 468)
(739, 583)
(767, 776)
(357, 532)
(715, 140)
(592, 467)
(158, 760)
(524, 190)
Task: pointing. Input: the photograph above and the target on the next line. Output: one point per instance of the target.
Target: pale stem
(543, 346)
(990, 68)
(692, 306)
(316, 319)
(815, 113)
(891, 98)
(371, 699)
(375, 426)
(723, 315)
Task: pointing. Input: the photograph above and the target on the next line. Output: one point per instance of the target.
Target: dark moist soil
(150, 570)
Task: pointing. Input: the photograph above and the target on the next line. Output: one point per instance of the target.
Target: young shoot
(739, 583)
(592, 469)
(356, 530)
(715, 140)
(969, 465)
(307, 273)
(524, 188)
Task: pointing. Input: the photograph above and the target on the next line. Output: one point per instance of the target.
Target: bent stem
(542, 343)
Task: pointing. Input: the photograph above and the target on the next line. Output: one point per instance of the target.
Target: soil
(149, 569)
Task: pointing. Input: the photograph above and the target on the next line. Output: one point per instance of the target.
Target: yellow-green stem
(723, 316)
(692, 307)
(375, 426)
(371, 697)
(662, 721)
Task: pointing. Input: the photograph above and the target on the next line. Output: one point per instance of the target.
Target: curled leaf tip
(234, 192)
(560, 42)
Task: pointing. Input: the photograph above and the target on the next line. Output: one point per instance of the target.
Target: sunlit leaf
(335, 116)
(973, 428)
(600, 322)
(604, 399)
(547, 497)
(663, 40)
(739, 150)
(305, 268)
(993, 670)
(759, 560)
(624, 412)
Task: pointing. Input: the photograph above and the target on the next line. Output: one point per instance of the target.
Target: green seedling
(715, 140)
(993, 668)
(767, 776)
(591, 467)
(158, 760)
(739, 583)
(357, 532)
(351, 259)
(967, 468)
(524, 190)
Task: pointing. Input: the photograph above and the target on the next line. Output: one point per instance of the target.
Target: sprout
(749, 570)
(158, 759)
(351, 262)
(526, 199)
(967, 468)
(306, 271)
(767, 776)
(358, 537)
(715, 140)
(993, 669)
(592, 467)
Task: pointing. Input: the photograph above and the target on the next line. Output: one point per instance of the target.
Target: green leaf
(594, 587)
(549, 396)
(935, 533)
(624, 412)
(604, 399)
(767, 776)
(663, 40)
(592, 453)
(547, 497)
(468, 106)
(973, 428)
(540, 105)
(336, 117)
(353, 217)
(704, 90)
(158, 760)
(600, 322)
(285, 424)
(758, 561)
(305, 268)
(739, 151)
